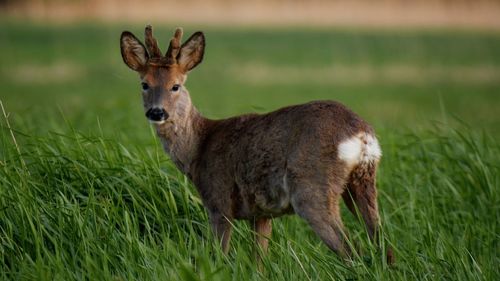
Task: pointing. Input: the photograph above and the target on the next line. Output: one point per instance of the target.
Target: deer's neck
(181, 137)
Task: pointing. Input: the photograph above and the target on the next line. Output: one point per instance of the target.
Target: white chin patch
(360, 148)
(156, 122)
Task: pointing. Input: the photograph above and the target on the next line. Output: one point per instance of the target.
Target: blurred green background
(394, 79)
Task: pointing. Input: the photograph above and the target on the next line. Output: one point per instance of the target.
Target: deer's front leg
(221, 226)
(262, 228)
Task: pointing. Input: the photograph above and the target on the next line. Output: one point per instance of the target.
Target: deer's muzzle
(157, 114)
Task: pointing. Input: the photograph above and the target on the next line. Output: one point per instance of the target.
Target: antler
(154, 51)
(175, 45)
(151, 43)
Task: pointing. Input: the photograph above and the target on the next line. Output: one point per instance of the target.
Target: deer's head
(163, 77)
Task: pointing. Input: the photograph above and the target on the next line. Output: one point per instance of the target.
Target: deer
(301, 159)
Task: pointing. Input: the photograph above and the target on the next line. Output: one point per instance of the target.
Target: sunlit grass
(89, 207)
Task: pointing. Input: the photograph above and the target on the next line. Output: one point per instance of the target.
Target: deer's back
(247, 157)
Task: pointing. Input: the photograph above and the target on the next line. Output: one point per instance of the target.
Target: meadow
(86, 192)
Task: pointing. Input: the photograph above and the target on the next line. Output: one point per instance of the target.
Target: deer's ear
(134, 53)
(191, 53)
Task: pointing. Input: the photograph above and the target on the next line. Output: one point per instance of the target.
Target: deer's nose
(157, 114)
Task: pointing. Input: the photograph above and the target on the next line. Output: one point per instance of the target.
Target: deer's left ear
(134, 53)
(191, 53)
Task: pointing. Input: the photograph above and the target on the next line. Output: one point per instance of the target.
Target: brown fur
(257, 167)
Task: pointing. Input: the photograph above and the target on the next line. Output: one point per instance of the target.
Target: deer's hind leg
(361, 194)
(318, 204)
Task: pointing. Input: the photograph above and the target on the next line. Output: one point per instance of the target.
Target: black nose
(157, 114)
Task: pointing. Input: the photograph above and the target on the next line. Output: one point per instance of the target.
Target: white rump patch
(350, 151)
(372, 149)
(360, 148)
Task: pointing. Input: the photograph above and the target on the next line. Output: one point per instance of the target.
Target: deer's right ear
(134, 53)
(191, 53)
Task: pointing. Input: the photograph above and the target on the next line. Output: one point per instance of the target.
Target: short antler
(175, 45)
(151, 43)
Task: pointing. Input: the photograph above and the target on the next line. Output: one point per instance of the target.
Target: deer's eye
(175, 88)
(145, 86)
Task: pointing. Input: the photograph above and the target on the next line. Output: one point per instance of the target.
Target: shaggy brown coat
(298, 159)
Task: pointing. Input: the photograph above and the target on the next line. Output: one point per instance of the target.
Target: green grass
(87, 192)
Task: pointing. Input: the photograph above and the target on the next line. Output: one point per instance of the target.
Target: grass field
(86, 192)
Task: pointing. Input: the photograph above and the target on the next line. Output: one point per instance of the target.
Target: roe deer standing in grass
(299, 159)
